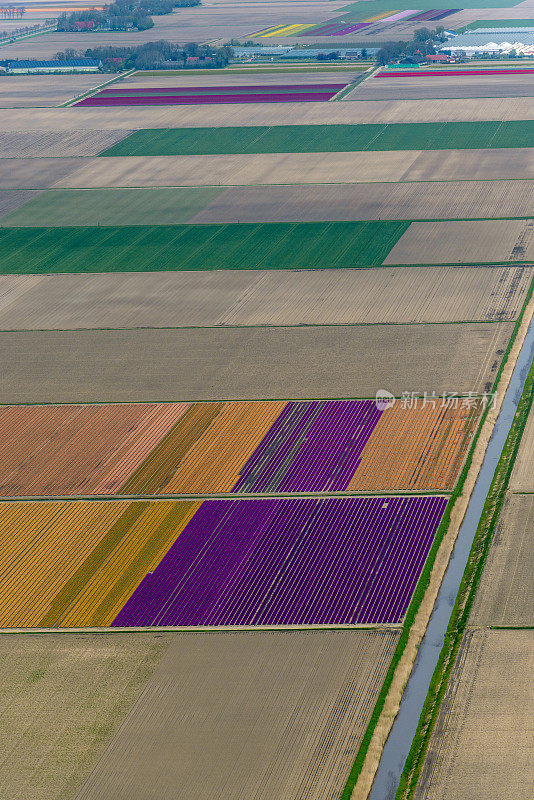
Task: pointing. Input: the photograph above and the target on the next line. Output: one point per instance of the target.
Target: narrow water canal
(402, 733)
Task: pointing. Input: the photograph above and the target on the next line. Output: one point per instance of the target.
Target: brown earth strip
(482, 743)
(249, 363)
(506, 592)
(277, 715)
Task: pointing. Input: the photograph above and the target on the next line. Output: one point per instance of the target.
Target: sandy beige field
(35, 173)
(62, 698)
(482, 744)
(20, 91)
(454, 242)
(354, 201)
(249, 363)
(500, 181)
(235, 170)
(269, 715)
(284, 297)
(60, 143)
(131, 118)
(444, 88)
(506, 592)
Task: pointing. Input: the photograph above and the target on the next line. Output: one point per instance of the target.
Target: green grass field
(92, 207)
(497, 23)
(197, 247)
(325, 138)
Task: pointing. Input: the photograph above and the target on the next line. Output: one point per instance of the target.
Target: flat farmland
(210, 364)
(349, 113)
(351, 202)
(61, 143)
(522, 479)
(195, 247)
(35, 173)
(162, 206)
(292, 730)
(324, 138)
(290, 562)
(300, 168)
(262, 297)
(262, 204)
(443, 88)
(481, 746)
(234, 170)
(505, 595)
(451, 242)
(214, 563)
(243, 447)
(12, 199)
(231, 78)
(35, 91)
(75, 688)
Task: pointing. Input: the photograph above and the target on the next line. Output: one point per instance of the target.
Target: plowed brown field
(275, 715)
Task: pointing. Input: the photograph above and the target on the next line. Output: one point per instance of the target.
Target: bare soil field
(241, 297)
(384, 111)
(167, 205)
(522, 478)
(12, 199)
(352, 201)
(482, 744)
(62, 698)
(233, 78)
(60, 143)
(454, 242)
(442, 88)
(506, 592)
(21, 91)
(487, 165)
(35, 173)
(490, 174)
(276, 715)
(244, 363)
(236, 170)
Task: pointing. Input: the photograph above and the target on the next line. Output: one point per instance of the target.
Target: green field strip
(197, 247)
(459, 620)
(325, 138)
(146, 206)
(496, 23)
(99, 498)
(424, 578)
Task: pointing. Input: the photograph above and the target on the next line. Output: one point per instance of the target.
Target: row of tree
(120, 15)
(155, 55)
(422, 44)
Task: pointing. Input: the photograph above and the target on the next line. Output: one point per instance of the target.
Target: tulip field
(238, 447)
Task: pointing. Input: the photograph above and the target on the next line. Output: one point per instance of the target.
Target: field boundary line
(393, 627)
(91, 92)
(267, 326)
(475, 565)
(108, 498)
(421, 606)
